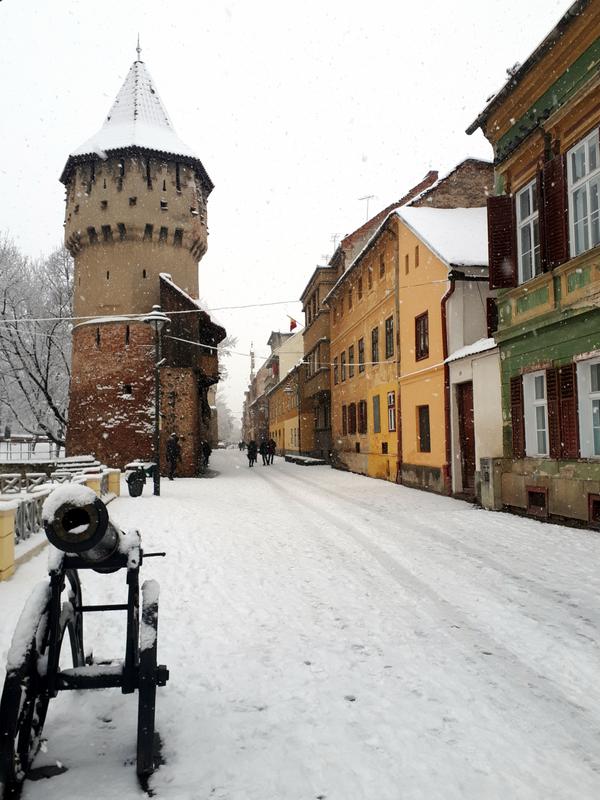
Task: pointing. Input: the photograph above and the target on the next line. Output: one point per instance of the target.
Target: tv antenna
(367, 197)
(334, 239)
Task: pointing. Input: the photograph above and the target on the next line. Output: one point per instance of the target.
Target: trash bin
(135, 482)
(136, 474)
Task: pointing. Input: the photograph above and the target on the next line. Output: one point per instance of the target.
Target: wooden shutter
(569, 418)
(553, 413)
(555, 231)
(501, 242)
(517, 416)
(539, 187)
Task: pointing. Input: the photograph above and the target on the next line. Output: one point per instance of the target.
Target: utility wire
(125, 317)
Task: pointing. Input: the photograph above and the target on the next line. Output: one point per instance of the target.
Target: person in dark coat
(271, 448)
(251, 452)
(173, 454)
(206, 451)
(263, 450)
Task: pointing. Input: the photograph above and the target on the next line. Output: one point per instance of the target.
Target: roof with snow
(137, 120)
(480, 346)
(458, 236)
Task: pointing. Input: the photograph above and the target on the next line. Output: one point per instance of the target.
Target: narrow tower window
(107, 275)
(122, 168)
(177, 178)
(127, 336)
(103, 204)
(164, 186)
(97, 337)
(92, 235)
(162, 236)
(178, 237)
(122, 231)
(107, 233)
(148, 232)
(127, 388)
(104, 183)
(163, 205)
(148, 174)
(143, 273)
(132, 201)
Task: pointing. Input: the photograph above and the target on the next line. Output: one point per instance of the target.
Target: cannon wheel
(148, 676)
(25, 699)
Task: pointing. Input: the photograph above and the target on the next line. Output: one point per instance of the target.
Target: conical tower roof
(137, 120)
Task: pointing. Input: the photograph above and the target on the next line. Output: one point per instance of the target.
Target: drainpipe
(397, 335)
(447, 471)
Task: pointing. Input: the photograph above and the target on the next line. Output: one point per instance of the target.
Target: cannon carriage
(78, 526)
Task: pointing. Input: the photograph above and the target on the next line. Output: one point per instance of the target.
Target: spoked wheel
(25, 696)
(150, 676)
(24, 699)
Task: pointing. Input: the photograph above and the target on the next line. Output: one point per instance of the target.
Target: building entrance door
(466, 432)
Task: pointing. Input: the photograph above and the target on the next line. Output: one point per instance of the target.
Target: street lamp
(158, 320)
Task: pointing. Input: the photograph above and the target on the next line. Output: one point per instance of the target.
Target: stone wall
(467, 186)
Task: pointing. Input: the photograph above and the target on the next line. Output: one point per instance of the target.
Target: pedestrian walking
(271, 448)
(251, 452)
(263, 450)
(173, 454)
(206, 451)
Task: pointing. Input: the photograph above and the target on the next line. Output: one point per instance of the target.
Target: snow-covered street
(333, 636)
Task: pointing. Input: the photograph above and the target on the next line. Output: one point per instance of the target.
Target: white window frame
(531, 404)
(586, 398)
(531, 222)
(391, 409)
(585, 182)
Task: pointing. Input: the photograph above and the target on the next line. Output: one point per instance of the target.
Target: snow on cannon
(78, 526)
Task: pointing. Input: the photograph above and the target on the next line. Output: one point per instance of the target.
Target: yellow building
(395, 285)
(443, 305)
(364, 357)
(284, 413)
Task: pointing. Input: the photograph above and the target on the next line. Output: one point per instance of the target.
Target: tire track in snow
(435, 532)
(473, 640)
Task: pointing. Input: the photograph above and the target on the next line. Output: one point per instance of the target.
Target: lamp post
(158, 320)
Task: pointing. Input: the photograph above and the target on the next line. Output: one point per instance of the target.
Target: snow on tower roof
(137, 118)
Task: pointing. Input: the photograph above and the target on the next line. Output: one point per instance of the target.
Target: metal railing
(28, 516)
(29, 448)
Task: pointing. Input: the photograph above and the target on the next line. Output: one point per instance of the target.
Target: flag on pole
(293, 324)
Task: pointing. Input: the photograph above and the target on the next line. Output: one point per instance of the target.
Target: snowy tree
(35, 339)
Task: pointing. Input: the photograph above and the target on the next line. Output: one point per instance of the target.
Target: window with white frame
(391, 409)
(528, 233)
(588, 388)
(583, 169)
(536, 414)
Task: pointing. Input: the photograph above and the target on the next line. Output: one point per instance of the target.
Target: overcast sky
(296, 110)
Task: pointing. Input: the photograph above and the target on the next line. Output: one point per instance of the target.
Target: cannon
(82, 537)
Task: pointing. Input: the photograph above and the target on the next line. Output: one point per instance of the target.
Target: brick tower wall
(111, 409)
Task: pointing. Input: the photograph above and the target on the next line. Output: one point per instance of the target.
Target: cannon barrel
(76, 521)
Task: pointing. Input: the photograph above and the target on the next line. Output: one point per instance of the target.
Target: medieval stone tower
(135, 224)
